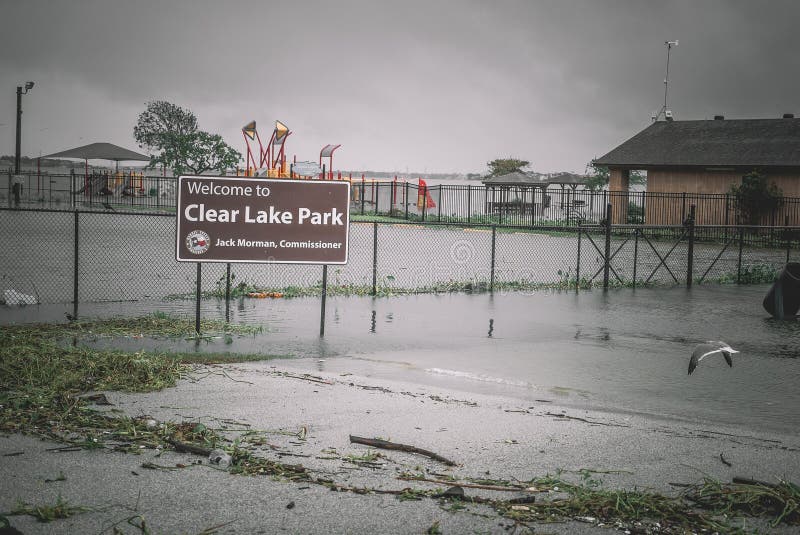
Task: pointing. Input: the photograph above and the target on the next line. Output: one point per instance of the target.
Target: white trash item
(220, 457)
(14, 297)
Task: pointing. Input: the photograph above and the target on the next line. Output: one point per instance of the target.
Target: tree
(756, 197)
(197, 153)
(160, 122)
(598, 176)
(171, 134)
(501, 167)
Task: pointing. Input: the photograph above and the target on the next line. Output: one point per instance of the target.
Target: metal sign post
(275, 221)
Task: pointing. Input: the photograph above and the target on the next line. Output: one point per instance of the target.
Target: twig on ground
(584, 420)
(385, 444)
(306, 377)
(465, 485)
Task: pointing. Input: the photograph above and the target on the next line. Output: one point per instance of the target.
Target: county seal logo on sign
(197, 242)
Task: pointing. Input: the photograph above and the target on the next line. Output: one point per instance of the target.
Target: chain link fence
(52, 256)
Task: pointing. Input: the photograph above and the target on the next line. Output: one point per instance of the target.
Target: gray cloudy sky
(423, 85)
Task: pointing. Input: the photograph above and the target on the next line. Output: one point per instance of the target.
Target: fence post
(469, 202)
(690, 252)
(578, 264)
(374, 258)
(75, 272)
(635, 253)
(228, 293)
(491, 273)
(683, 206)
(727, 212)
(377, 186)
(607, 260)
(363, 193)
(786, 236)
(739, 263)
(439, 216)
(405, 197)
(197, 299)
(324, 296)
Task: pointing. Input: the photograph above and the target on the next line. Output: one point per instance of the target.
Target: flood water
(626, 350)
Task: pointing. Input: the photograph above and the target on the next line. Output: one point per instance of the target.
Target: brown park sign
(259, 220)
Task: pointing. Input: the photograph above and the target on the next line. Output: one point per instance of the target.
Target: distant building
(520, 192)
(707, 156)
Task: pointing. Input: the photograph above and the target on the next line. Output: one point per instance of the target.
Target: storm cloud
(422, 86)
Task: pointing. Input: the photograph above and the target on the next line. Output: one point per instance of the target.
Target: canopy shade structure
(101, 151)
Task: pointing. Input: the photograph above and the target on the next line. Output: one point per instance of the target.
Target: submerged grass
(43, 381)
(47, 513)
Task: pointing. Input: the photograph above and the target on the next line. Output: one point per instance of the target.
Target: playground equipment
(272, 158)
(269, 161)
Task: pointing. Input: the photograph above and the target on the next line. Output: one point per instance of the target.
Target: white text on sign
(270, 216)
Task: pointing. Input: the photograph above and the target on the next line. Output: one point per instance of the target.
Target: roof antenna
(667, 113)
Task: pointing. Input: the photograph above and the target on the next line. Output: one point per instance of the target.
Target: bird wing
(701, 352)
(728, 359)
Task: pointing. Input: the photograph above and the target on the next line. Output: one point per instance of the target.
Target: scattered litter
(151, 424)
(14, 297)
(520, 508)
(586, 519)
(220, 457)
(290, 505)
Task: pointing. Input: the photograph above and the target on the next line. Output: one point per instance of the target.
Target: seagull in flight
(710, 348)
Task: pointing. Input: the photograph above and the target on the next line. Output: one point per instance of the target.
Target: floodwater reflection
(621, 350)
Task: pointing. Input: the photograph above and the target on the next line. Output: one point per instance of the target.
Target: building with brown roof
(705, 157)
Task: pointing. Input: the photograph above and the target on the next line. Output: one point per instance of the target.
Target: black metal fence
(84, 256)
(403, 200)
(553, 206)
(98, 190)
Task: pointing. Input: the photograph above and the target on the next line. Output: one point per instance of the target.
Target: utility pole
(28, 87)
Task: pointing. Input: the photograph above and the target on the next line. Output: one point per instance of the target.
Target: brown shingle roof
(728, 142)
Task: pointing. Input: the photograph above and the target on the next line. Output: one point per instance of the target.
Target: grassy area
(43, 380)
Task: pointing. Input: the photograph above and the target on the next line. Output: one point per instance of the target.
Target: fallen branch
(305, 377)
(724, 460)
(590, 422)
(465, 485)
(385, 444)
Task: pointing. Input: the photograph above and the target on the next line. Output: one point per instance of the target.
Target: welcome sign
(256, 220)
